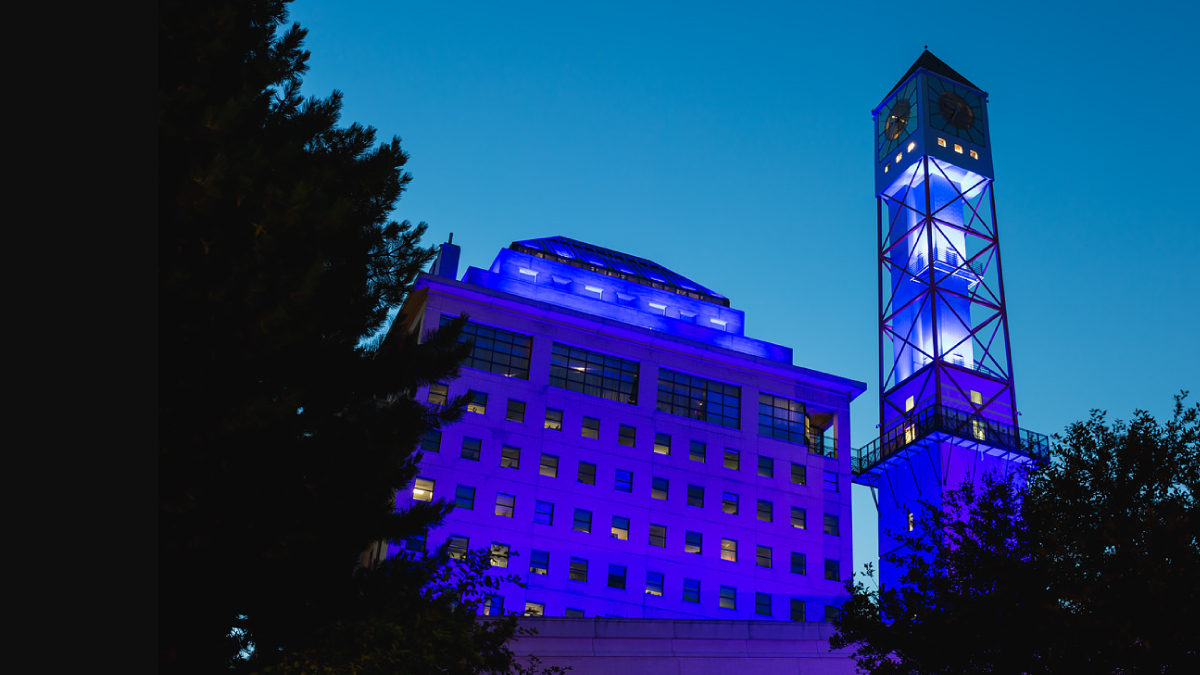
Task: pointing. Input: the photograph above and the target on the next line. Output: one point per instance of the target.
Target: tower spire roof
(934, 65)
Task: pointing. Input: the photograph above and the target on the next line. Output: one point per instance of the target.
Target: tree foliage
(282, 440)
(1088, 564)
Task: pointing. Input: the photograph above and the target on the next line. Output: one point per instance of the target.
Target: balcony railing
(939, 418)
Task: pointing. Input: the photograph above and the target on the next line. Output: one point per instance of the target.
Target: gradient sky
(734, 145)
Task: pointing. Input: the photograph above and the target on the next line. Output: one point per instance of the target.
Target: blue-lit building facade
(628, 451)
(947, 408)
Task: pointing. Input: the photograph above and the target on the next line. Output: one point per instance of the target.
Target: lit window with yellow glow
(899, 156)
(974, 155)
(958, 148)
(912, 146)
(423, 490)
(976, 397)
(941, 142)
(886, 167)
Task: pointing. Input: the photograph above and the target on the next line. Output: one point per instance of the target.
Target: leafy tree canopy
(1088, 564)
(282, 439)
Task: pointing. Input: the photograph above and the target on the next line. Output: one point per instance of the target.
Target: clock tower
(947, 406)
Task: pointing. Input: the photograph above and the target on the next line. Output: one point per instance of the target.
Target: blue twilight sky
(732, 142)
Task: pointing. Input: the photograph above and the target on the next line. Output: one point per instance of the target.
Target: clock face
(897, 119)
(956, 110)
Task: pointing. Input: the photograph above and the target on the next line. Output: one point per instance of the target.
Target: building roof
(615, 263)
(936, 66)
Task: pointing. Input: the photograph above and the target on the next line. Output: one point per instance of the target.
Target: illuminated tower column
(947, 408)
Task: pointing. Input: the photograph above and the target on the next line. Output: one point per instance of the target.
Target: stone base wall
(595, 646)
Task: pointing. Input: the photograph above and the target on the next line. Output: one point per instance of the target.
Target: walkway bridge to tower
(936, 423)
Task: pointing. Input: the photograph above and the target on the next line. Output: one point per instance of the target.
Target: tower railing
(935, 419)
(819, 445)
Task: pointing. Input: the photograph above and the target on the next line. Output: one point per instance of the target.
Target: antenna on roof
(451, 238)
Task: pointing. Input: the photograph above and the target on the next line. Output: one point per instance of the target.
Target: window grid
(729, 503)
(579, 569)
(766, 467)
(510, 457)
(693, 542)
(699, 399)
(624, 481)
(626, 435)
(781, 418)
(553, 420)
(620, 528)
(766, 511)
(583, 521)
(762, 557)
(691, 590)
(496, 350)
(593, 373)
(458, 545)
(516, 411)
(587, 473)
(477, 402)
(616, 576)
(439, 393)
(464, 497)
(432, 441)
(471, 448)
(659, 488)
(729, 550)
(799, 518)
(797, 610)
(733, 459)
(662, 444)
(831, 570)
(499, 554)
(728, 597)
(831, 525)
(799, 563)
(423, 490)
(654, 583)
(505, 505)
(799, 474)
(762, 604)
(543, 513)
(549, 465)
(539, 562)
(658, 536)
(697, 451)
(695, 496)
(591, 427)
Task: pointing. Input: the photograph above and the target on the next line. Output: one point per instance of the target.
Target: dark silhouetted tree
(282, 440)
(1092, 567)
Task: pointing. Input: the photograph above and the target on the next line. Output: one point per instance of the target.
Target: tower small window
(976, 398)
(958, 148)
(974, 155)
(899, 156)
(886, 167)
(728, 597)
(477, 402)
(912, 146)
(729, 550)
(662, 444)
(911, 525)
(941, 142)
(693, 542)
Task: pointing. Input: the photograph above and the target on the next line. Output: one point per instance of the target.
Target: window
(911, 525)
(553, 419)
(831, 481)
(762, 556)
(583, 521)
(616, 576)
(831, 570)
(781, 418)
(535, 609)
(762, 604)
(414, 542)
(799, 563)
(591, 427)
(658, 536)
(499, 554)
(477, 402)
(587, 473)
(797, 610)
(626, 435)
(662, 444)
(695, 496)
(464, 497)
(539, 562)
(432, 441)
(573, 613)
(729, 550)
(974, 155)
(423, 490)
(620, 528)
(510, 457)
(693, 542)
(578, 570)
(766, 467)
(728, 597)
(831, 612)
(699, 399)
(593, 373)
(624, 481)
(831, 525)
(496, 350)
(654, 583)
(733, 459)
(439, 393)
(658, 489)
(799, 518)
(458, 545)
(505, 505)
(470, 448)
(958, 148)
(729, 503)
(516, 411)
(549, 465)
(941, 142)
(691, 590)
(766, 511)
(697, 451)
(799, 474)
(493, 605)
(543, 513)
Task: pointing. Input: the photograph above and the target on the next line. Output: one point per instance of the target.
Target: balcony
(942, 423)
(819, 445)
